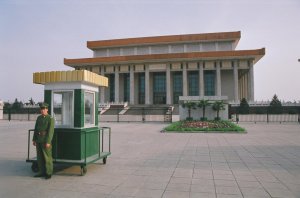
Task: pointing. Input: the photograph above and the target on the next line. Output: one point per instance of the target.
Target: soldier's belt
(42, 133)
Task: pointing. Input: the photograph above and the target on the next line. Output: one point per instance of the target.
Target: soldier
(43, 133)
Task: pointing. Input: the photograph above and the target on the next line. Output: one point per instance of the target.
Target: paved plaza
(264, 162)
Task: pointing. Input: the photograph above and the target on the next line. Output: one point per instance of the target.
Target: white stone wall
(227, 83)
(159, 49)
(100, 53)
(225, 46)
(1, 109)
(164, 49)
(114, 52)
(28, 117)
(196, 114)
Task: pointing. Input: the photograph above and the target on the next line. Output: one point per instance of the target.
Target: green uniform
(43, 134)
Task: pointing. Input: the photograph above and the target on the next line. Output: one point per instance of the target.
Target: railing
(266, 118)
(137, 114)
(127, 114)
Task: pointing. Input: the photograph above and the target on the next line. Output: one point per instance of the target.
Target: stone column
(168, 84)
(117, 84)
(236, 81)
(102, 89)
(219, 93)
(251, 81)
(201, 79)
(184, 80)
(131, 100)
(147, 85)
(242, 87)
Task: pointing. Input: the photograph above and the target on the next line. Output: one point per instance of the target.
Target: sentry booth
(73, 102)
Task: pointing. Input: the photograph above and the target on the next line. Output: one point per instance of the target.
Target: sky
(36, 36)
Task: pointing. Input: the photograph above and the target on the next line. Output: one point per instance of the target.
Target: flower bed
(204, 126)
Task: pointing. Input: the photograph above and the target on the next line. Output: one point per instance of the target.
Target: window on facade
(89, 108)
(177, 48)
(159, 88)
(177, 86)
(209, 46)
(126, 87)
(111, 84)
(209, 82)
(193, 47)
(114, 52)
(160, 49)
(193, 79)
(224, 46)
(142, 50)
(100, 53)
(63, 108)
(128, 51)
(141, 89)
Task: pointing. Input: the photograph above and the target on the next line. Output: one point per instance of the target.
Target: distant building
(157, 70)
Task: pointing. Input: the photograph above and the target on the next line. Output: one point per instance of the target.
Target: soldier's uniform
(43, 134)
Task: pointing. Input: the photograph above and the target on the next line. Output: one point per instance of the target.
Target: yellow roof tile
(70, 76)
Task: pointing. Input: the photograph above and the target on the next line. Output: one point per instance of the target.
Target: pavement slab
(145, 163)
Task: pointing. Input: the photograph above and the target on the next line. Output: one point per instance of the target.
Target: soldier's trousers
(44, 159)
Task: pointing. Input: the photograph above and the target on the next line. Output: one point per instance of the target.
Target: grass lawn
(204, 127)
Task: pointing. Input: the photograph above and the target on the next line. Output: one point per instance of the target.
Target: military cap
(44, 105)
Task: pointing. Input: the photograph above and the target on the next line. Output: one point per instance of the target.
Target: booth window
(63, 108)
(89, 108)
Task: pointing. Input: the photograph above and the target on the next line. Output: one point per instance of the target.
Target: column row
(208, 82)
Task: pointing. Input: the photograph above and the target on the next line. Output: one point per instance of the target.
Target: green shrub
(217, 118)
(204, 126)
(292, 111)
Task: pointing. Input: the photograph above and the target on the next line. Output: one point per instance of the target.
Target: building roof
(70, 76)
(255, 54)
(206, 37)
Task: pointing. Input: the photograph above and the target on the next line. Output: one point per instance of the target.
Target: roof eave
(176, 39)
(256, 54)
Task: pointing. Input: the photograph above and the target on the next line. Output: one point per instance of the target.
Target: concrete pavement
(265, 162)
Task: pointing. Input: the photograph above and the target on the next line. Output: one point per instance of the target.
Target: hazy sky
(36, 35)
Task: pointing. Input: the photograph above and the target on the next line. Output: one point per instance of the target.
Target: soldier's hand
(34, 143)
(47, 145)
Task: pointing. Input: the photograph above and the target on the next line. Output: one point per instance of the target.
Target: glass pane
(159, 88)
(111, 85)
(177, 86)
(126, 84)
(141, 88)
(209, 82)
(89, 108)
(63, 108)
(193, 83)
(57, 105)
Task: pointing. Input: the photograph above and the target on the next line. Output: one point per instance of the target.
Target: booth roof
(69, 76)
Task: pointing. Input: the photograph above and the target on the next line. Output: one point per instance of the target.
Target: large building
(157, 70)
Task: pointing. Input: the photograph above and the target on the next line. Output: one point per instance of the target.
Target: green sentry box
(73, 102)
(75, 144)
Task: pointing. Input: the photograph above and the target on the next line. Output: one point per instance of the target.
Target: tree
(17, 105)
(189, 105)
(244, 107)
(275, 105)
(203, 104)
(6, 105)
(218, 106)
(31, 102)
